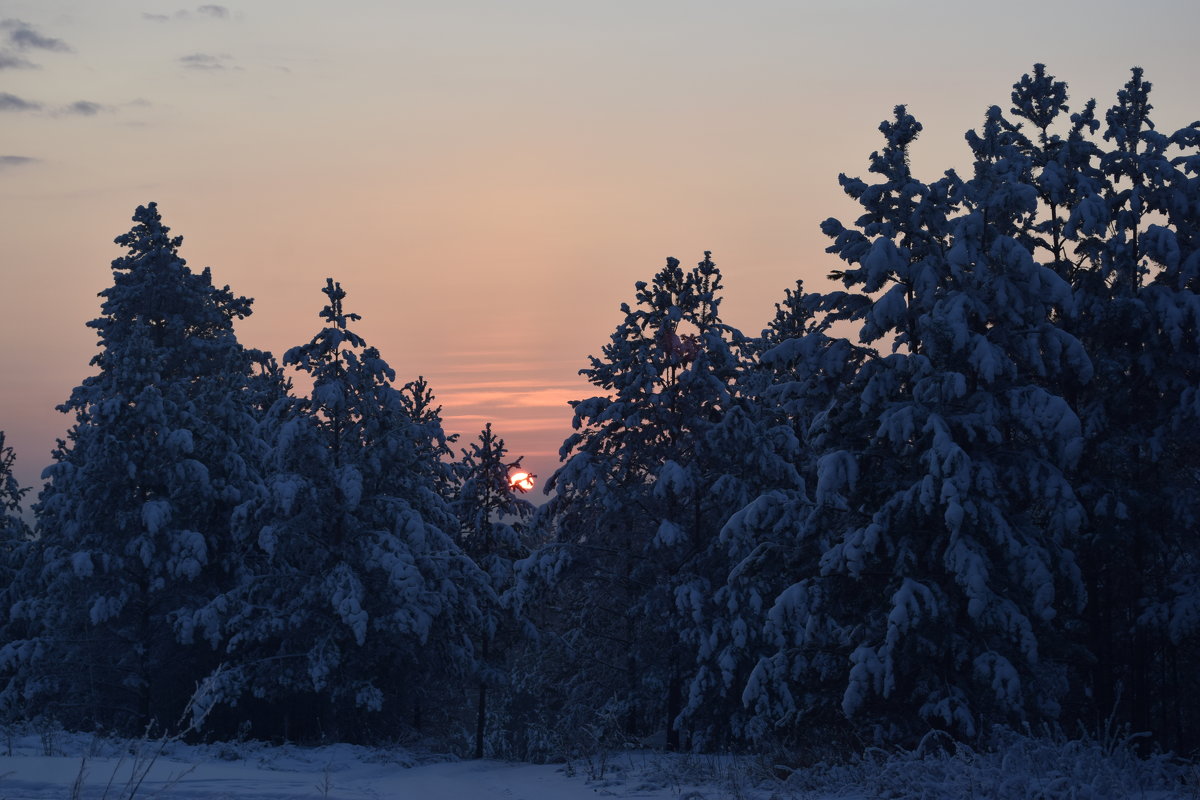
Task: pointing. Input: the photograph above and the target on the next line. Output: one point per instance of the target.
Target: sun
(522, 481)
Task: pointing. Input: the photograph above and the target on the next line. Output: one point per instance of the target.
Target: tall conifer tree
(355, 595)
(943, 510)
(15, 544)
(1132, 238)
(789, 376)
(492, 529)
(134, 520)
(647, 483)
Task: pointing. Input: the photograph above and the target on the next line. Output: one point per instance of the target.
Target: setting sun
(521, 480)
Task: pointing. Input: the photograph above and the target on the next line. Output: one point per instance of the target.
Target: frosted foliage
(1003, 677)
(787, 383)
(188, 556)
(1018, 451)
(866, 677)
(942, 474)
(155, 514)
(81, 564)
(353, 577)
(672, 480)
(1133, 233)
(267, 539)
(672, 444)
(492, 513)
(1183, 619)
(285, 490)
(104, 609)
(135, 517)
(345, 596)
(349, 484)
(669, 534)
(837, 473)
(180, 441)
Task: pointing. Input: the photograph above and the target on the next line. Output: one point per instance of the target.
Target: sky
(487, 180)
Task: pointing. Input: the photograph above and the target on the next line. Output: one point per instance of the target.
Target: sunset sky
(487, 180)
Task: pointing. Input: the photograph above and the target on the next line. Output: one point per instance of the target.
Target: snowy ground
(40, 777)
(90, 768)
(105, 769)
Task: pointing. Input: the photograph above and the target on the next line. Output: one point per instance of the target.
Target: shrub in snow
(1008, 765)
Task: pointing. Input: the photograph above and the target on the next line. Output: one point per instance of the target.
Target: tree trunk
(481, 710)
(631, 720)
(674, 704)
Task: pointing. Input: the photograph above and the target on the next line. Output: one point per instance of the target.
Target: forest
(959, 490)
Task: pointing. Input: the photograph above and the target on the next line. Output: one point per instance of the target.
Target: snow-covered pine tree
(1129, 238)
(355, 598)
(14, 532)
(793, 367)
(1119, 222)
(789, 376)
(640, 502)
(942, 507)
(435, 451)
(492, 530)
(15, 543)
(134, 521)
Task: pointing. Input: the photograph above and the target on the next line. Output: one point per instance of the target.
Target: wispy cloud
(516, 384)
(203, 61)
(507, 397)
(510, 366)
(80, 108)
(83, 108)
(209, 10)
(10, 61)
(462, 422)
(23, 36)
(17, 161)
(10, 102)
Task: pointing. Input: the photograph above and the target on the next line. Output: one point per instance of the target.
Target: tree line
(958, 490)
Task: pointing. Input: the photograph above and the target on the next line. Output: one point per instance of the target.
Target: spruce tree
(648, 481)
(789, 377)
(492, 531)
(1116, 217)
(1133, 240)
(355, 597)
(434, 467)
(134, 521)
(943, 511)
(14, 532)
(15, 545)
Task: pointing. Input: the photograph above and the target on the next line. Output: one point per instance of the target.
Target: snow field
(93, 768)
